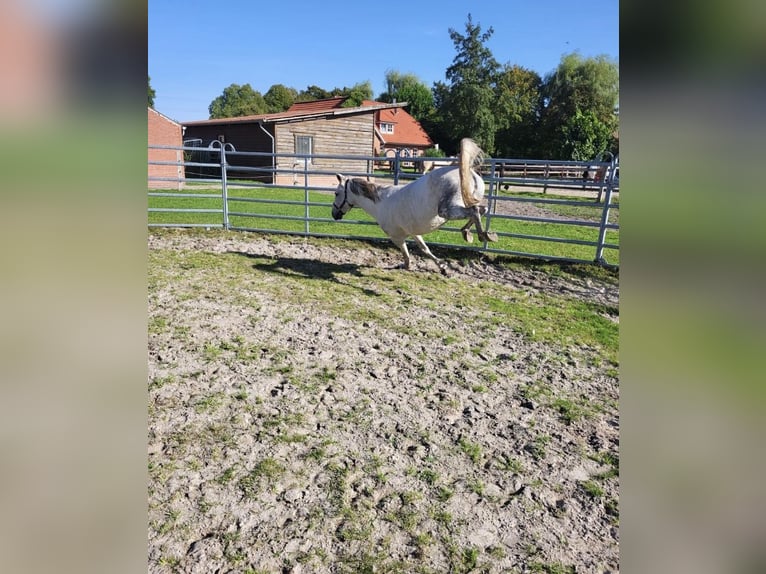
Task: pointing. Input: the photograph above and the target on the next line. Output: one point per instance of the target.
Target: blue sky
(196, 49)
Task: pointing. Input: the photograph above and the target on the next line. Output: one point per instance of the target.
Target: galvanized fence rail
(531, 203)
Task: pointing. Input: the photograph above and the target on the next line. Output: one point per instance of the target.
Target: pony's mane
(365, 188)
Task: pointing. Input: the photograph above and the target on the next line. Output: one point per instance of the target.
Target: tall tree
(579, 99)
(279, 98)
(518, 102)
(356, 94)
(466, 100)
(408, 88)
(151, 93)
(312, 93)
(237, 101)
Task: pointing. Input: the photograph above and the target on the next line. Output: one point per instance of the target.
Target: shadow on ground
(309, 269)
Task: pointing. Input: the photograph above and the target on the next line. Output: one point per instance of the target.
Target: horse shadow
(308, 269)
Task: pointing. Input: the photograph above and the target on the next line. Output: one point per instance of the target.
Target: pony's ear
(340, 177)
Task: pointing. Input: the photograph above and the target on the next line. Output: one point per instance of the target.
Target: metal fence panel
(555, 210)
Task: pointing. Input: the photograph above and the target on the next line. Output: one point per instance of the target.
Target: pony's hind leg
(475, 218)
(466, 231)
(473, 214)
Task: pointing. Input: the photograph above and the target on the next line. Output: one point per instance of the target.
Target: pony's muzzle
(337, 214)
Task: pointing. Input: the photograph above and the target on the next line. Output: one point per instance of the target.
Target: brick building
(165, 132)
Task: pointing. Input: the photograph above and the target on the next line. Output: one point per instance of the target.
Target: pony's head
(341, 205)
(350, 192)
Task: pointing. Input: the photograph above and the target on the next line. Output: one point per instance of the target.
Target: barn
(316, 128)
(162, 131)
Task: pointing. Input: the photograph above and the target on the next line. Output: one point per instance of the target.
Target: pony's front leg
(402, 245)
(427, 251)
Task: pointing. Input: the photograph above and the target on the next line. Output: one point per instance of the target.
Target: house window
(304, 145)
(386, 128)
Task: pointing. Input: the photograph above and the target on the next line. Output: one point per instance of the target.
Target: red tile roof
(301, 112)
(317, 105)
(407, 130)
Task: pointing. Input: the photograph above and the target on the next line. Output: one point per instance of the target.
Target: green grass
(268, 215)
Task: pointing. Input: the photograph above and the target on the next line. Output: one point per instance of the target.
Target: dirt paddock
(312, 409)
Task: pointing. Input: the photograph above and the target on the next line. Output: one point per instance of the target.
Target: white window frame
(386, 128)
(305, 138)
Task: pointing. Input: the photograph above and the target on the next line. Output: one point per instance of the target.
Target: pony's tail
(470, 155)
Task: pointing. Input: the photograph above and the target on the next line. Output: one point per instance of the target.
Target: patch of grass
(477, 486)
(472, 449)
(292, 438)
(209, 403)
(470, 558)
(267, 471)
(351, 530)
(535, 391)
(553, 568)
(241, 394)
(510, 463)
(428, 476)
(569, 411)
(227, 476)
(171, 562)
(612, 509)
(159, 382)
(337, 485)
(592, 489)
(157, 325)
(607, 458)
(537, 447)
(443, 494)
(550, 319)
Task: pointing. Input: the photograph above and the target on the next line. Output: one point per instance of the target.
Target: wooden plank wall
(350, 135)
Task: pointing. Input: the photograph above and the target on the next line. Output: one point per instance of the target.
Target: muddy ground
(312, 409)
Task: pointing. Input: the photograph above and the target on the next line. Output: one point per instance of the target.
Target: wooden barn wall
(349, 135)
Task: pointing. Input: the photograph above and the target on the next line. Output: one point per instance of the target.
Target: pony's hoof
(492, 236)
(467, 236)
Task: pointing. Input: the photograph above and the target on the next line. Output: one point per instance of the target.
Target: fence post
(604, 221)
(396, 167)
(306, 194)
(491, 194)
(224, 188)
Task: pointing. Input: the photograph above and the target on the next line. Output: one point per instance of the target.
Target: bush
(434, 152)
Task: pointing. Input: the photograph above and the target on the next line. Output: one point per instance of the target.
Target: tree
(356, 94)
(312, 93)
(408, 88)
(579, 100)
(466, 101)
(584, 137)
(237, 101)
(518, 105)
(151, 93)
(279, 98)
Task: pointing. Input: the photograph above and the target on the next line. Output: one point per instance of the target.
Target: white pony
(423, 205)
